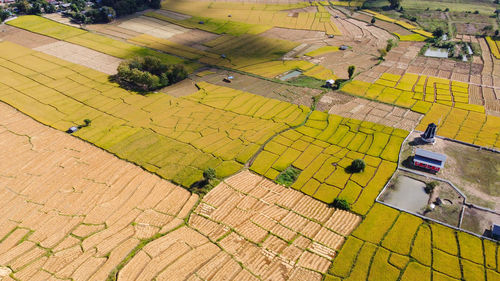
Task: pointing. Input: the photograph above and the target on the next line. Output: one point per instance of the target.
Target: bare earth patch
(372, 111)
(465, 167)
(81, 55)
(71, 210)
(23, 37)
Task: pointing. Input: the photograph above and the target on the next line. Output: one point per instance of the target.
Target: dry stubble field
(71, 210)
(274, 232)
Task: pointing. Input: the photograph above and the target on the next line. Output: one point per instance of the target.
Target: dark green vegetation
(33, 7)
(3, 14)
(341, 204)
(357, 166)
(288, 176)
(106, 10)
(148, 73)
(306, 81)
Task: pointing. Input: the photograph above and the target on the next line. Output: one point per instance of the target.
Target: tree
(438, 32)
(23, 6)
(394, 4)
(390, 44)
(357, 165)
(209, 174)
(148, 73)
(341, 204)
(429, 187)
(3, 14)
(350, 71)
(373, 20)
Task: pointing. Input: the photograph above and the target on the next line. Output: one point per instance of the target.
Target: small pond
(408, 194)
(436, 52)
(290, 75)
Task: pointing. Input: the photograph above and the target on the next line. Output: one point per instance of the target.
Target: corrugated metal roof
(430, 154)
(428, 161)
(496, 229)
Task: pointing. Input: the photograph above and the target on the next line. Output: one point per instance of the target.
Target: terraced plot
(71, 210)
(175, 138)
(83, 38)
(263, 231)
(417, 92)
(323, 149)
(305, 16)
(463, 125)
(391, 245)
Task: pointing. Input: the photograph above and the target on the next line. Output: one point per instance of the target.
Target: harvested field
(71, 209)
(291, 94)
(81, 55)
(23, 37)
(151, 26)
(275, 232)
(77, 93)
(372, 111)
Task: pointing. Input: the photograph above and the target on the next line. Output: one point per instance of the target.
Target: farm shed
(429, 160)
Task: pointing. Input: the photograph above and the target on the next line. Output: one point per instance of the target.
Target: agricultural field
(61, 94)
(71, 210)
(393, 245)
(130, 196)
(263, 231)
(294, 16)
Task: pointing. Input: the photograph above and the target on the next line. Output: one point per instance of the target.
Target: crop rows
(414, 91)
(463, 125)
(445, 102)
(176, 138)
(271, 229)
(419, 35)
(83, 38)
(390, 245)
(72, 211)
(259, 14)
(324, 148)
(494, 47)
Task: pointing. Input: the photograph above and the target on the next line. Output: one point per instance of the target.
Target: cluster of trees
(3, 14)
(148, 73)
(104, 11)
(33, 7)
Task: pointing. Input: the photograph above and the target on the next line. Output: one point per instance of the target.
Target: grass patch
(288, 176)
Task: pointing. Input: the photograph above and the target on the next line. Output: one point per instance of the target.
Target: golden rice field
(418, 34)
(261, 58)
(414, 91)
(175, 138)
(87, 39)
(494, 47)
(445, 102)
(323, 148)
(464, 125)
(271, 15)
(390, 245)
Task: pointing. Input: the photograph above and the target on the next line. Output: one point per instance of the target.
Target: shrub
(288, 177)
(429, 187)
(341, 204)
(350, 71)
(357, 166)
(209, 174)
